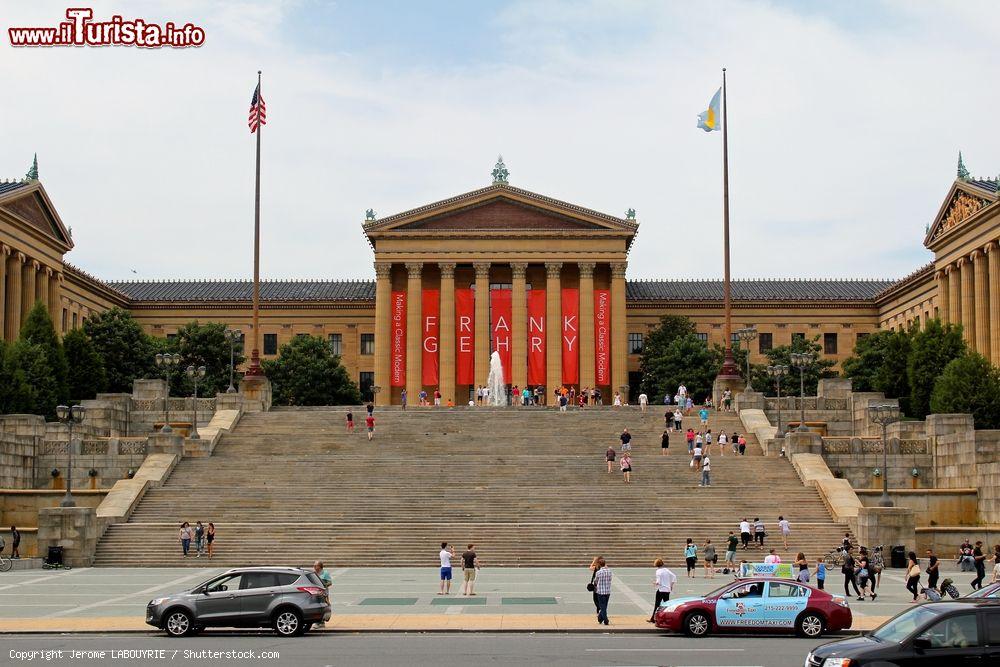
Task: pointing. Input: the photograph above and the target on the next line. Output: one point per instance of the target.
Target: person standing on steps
(689, 437)
(350, 422)
(731, 542)
(663, 581)
(710, 557)
(324, 576)
(785, 529)
(706, 471)
(626, 464)
(402, 399)
(446, 554)
(932, 569)
(643, 402)
(199, 539)
(370, 408)
(723, 443)
(437, 398)
(602, 589)
(703, 417)
(210, 538)
(772, 558)
(691, 556)
(609, 456)
(370, 425)
(678, 421)
(664, 442)
(470, 566)
(626, 439)
(668, 419)
(184, 537)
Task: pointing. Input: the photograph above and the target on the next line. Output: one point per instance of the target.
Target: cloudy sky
(845, 124)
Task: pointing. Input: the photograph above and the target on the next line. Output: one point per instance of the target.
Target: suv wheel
(696, 624)
(288, 623)
(809, 625)
(178, 623)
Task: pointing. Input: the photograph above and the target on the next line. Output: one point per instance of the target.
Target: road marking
(121, 598)
(636, 599)
(41, 579)
(697, 650)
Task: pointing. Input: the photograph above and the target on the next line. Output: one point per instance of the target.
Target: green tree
(879, 364)
(87, 376)
(930, 351)
(37, 329)
(685, 359)
(33, 362)
(790, 385)
(204, 345)
(16, 395)
(969, 384)
(306, 372)
(126, 350)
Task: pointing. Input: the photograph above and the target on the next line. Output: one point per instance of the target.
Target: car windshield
(988, 592)
(900, 627)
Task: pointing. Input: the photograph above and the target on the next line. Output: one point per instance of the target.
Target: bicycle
(5, 563)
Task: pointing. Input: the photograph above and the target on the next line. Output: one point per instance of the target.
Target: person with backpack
(691, 556)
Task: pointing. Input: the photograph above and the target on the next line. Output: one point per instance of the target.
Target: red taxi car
(760, 604)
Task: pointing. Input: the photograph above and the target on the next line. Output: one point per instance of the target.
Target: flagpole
(729, 369)
(254, 368)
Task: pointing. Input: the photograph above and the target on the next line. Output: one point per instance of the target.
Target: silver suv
(288, 599)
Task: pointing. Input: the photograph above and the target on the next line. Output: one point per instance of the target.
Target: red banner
(570, 335)
(465, 336)
(429, 341)
(397, 367)
(500, 311)
(602, 336)
(536, 336)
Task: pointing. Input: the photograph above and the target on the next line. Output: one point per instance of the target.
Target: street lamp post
(747, 334)
(777, 372)
(802, 360)
(69, 416)
(232, 335)
(196, 374)
(167, 362)
(883, 415)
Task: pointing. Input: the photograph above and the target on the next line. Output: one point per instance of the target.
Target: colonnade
(23, 282)
(969, 294)
(552, 276)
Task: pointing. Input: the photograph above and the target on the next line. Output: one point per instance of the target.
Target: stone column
(968, 302)
(28, 287)
(12, 313)
(383, 332)
(954, 295)
(482, 351)
(519, 324)
(446, 348)
(993, 253)
(619, 330)
(941, 280)
(553, 328)
(982, 304)
(55, 305)
(587, 373)
(42, 286)
(414, 330)
(4, 258)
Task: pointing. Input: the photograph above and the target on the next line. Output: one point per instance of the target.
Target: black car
(960, 632)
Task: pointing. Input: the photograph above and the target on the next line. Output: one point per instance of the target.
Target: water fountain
(495, 382)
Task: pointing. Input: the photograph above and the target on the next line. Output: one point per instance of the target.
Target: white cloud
(843, 138)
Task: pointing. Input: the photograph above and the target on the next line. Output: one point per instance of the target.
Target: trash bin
(55, 556)
(897, 557)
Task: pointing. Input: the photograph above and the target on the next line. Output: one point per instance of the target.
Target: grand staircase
(528, 486)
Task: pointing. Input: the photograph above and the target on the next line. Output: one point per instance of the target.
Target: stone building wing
(242, 290)
(756, 290)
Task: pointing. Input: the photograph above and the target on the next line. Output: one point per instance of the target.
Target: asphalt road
(408, 650)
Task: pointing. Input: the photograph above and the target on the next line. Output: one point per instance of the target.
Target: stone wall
(112, 458)
(856, 459)
(21, 438)
(941, 507)
(945, 540)
(21, 508)
(988, 475)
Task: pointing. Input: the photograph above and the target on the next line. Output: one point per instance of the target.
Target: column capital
(5, 249)
(519, 269)
(447, 269)
(49, 272)
(414, 269)
(990, 247)
(21, 257)
(975, 254)
(947, 269)
(552, 269)
(587, 269)
(36, 265)
(960, 262)
(482, 269)
(939, 274)
(618, 269)
(383, 269)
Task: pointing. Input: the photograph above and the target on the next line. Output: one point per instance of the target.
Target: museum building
(559, 308)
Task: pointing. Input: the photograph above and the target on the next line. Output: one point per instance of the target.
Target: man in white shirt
(745, 533)
(446, 554)
(772, 558)
(664, 583)
(643, 402)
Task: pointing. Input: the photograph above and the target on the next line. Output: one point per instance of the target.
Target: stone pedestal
(889, 526)
(803, 442)
(165, 443)
(733, 384)
(256, 392)
(147, 389)
(750, 400)
(225, 401)
(72, 528)
(834, 388)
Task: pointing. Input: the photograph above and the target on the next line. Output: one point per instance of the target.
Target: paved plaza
(383, 599)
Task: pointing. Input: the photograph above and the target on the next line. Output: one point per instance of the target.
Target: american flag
(258, 113)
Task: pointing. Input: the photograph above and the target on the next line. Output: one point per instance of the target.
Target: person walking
(15, 543)
(643, 402)
(602, 588)
(847, 569)
(696, 455)
(691, 556)
(878, 564)
(703, 417)
(199, 539)
(437, 398)
(759, 533)
(863, 576)
(678, 421)
(591, 586)
(626, 464)
(610, 457)
(184, 537)
(932, 569)
(709, 556)
(723, 442)
(745, 533)
(402, 399)
(979, 560)
(803, 565)
(785, 529)
(706, 471)
(370, 425)
(996, 564)
(470, 566)
(210, 538)
(731, 542)
(320, 570)
(668, 419)
(913, 575)
(689, 437)
(626, 439)
(618, 400)
(665, 443)
(820, 573)
(446, 554)
(663, 581)
(350, 422)
(743, 445)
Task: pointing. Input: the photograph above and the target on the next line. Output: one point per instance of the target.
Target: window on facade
(734, 340)
(367, 343)
(634, 343)
(241, 344)
(65, 316)
(765, 342)
(74, 320)
(365, 381)
(703, 337)
(829, 343)
(336, 340)
(270, 343)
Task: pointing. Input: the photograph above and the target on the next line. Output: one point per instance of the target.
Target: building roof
(990, 185)
(242, 290)
(7, 186)
(755, 290)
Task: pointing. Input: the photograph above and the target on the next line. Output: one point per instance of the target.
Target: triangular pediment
(965, 200)
(499, 208)
(30, 205)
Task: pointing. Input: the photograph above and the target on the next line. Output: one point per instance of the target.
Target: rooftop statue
(500, 172)
(370, 215)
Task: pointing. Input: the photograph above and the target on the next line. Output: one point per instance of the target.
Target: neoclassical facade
(541, 281)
